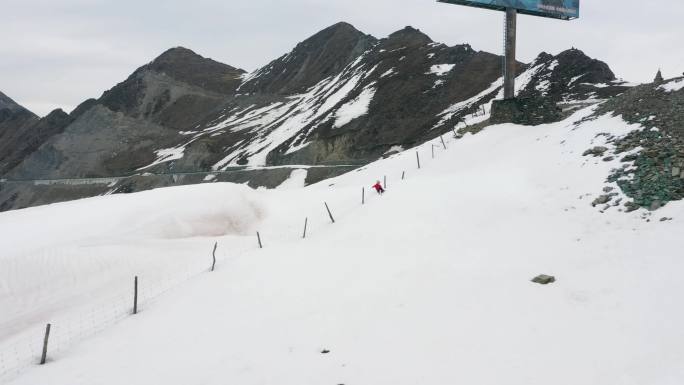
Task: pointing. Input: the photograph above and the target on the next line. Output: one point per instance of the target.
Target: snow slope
(428, 284)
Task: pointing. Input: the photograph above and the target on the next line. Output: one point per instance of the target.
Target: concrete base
(528, 112)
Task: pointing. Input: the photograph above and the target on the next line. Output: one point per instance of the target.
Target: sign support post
(509, 57)
(510, 109)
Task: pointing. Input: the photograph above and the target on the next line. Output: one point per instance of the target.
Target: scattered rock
(631, 206)
(325, 351)
(608, 158)
(544, 279)
(608, 189)
(603, 199)
(655, 205)
(676, 171)
(664, 219)
(596, 151)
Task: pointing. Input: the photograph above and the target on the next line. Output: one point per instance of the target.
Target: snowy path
(428, 284)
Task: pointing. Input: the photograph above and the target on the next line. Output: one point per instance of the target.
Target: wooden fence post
(432, 146)
(442, 139)
(329, 213)
(213, 254)
(363, 195)
(403, 173)
(43, 358)
(418, 159)
(259, 239)
(305, 222)
(384, 182)
(135, 295)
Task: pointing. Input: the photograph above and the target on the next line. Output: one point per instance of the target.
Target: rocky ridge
(652, 173)
(340, 97)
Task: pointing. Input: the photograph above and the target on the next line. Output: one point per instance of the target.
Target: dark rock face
(22, 132)
(30, 139)
(14, 123)
(111, 152)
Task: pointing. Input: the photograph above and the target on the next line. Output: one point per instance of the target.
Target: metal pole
(135, 295)
(306, 220)
(213, 254)
(509, 64)
(43, 358)
(329, 213)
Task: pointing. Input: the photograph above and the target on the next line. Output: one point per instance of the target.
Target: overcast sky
(57, 53)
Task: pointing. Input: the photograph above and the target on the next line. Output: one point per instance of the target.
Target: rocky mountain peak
(178, 74)
(408, 36)
(578, 63)
(543, 58)
(332, 32)
(6, 103)
(314, 59)
(554, 86)
(185, 65)
(176, 54)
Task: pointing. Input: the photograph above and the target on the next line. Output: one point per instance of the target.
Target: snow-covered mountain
(340, 98)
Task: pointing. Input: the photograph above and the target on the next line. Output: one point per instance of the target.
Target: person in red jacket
(378, 187)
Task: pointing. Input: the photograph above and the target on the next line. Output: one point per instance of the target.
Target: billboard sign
(558, 9)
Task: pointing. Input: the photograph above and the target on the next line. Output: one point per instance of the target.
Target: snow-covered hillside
(428, 284)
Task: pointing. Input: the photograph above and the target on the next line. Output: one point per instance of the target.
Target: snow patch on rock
(440, 69)
(354, 108)
(673, 86)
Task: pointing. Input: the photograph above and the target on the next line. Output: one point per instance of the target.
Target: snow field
(426, 284)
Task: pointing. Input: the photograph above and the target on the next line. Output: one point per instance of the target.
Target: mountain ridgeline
(338, 100)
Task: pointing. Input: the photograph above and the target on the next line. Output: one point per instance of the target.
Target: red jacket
(377, 187)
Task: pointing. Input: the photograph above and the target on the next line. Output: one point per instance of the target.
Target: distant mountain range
(340, 97)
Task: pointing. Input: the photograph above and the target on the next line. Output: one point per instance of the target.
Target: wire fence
(19, 353)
